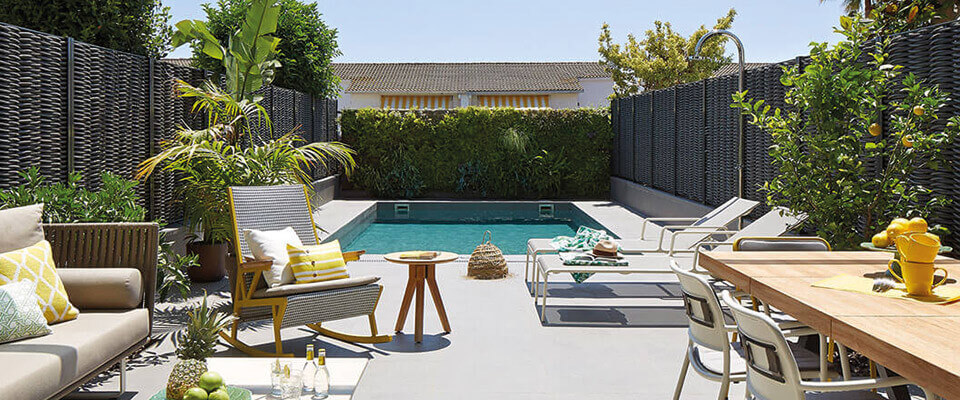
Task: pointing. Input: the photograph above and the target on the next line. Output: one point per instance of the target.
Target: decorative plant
(838, 161)
(116, 201)
(230, 150)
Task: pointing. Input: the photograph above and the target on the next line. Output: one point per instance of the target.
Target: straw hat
(605, 248)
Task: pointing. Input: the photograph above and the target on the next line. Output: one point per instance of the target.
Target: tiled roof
(467, 77)
(180, 62)
(733, 68)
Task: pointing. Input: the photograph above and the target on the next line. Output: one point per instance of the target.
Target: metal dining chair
(709, 348)
(773, 373)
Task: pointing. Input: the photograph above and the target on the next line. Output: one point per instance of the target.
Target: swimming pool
(459, 226)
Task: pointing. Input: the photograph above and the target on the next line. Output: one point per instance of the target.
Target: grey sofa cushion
(46, 364)
(20, 227)
(103, 288)
(298, 288)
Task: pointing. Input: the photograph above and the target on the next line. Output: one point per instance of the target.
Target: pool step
(401, 210)
(546, 210)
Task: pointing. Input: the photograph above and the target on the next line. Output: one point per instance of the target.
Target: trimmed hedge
(481, 152)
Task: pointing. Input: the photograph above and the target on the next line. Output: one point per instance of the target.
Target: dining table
(919, 341)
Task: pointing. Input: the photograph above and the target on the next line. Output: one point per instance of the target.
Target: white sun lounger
(776, 222)
(699, 229)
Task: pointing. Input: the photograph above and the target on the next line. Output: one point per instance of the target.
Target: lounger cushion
(20, 227)
(103, 288)
(298, 288)
(74, 349)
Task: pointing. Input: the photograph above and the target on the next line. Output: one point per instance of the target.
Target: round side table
(422, 271)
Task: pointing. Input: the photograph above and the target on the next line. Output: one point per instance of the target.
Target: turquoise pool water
(460, 238)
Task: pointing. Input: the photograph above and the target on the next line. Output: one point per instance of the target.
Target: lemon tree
(838, 160)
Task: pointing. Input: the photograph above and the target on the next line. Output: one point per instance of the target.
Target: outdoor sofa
(109, 272)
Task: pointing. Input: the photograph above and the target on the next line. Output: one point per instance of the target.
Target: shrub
(480, 152)
(135, 26)
(307, 44)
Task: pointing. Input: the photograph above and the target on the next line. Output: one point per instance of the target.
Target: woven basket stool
(487, 260)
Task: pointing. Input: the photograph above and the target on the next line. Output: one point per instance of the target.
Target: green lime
(211, 381)
(219, 394)
(195, 394)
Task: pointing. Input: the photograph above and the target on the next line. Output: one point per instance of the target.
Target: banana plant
(249, 58)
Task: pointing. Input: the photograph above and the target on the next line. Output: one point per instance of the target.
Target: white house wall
(596, 92)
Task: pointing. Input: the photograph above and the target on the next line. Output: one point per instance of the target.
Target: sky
(540, 30)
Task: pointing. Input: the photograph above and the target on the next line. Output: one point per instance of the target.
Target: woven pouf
(487, 260)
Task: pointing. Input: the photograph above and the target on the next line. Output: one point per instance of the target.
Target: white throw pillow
(272, 245)
(20, 313)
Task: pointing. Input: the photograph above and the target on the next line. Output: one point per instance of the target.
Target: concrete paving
(612, 337)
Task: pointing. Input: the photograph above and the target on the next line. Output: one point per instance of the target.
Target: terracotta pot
(213, 261)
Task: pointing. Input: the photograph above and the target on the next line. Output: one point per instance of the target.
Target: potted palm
(231, 150)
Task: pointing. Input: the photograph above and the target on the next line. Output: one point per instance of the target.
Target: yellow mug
(917, 277)
(919, 247)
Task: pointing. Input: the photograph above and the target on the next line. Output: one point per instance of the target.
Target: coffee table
(253, 373)
(421, 271)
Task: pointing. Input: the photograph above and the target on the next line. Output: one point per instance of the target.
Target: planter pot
(213, 261)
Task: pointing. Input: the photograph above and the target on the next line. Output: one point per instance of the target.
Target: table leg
(418, 335)
(437, 301)
(407, 298)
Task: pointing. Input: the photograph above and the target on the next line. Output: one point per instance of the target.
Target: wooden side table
(421, 272)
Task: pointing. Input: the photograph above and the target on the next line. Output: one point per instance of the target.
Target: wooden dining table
(919, 341)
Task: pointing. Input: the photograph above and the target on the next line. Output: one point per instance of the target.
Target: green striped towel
(579, 258)
(584, 240)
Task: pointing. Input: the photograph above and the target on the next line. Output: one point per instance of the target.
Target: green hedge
(481, 152)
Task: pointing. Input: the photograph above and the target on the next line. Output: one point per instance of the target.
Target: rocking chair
(294, 304)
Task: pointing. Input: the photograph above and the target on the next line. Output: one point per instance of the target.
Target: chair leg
(346, 337)
(543, 307)
(683, 374)
(277, 325)
(823, 358)
(844, 361)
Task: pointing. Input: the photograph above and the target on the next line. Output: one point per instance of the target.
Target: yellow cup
(918, 247)
(917, 277)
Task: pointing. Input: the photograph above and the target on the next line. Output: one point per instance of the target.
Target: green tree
(662, 58)
(901, 15)
(135, 26)
(306, 49)
(837, 161)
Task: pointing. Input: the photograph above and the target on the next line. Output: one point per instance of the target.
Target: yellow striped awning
(420, 102)
(515, 100)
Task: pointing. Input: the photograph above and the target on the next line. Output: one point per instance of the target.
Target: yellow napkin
(418, 254)
(941, 294)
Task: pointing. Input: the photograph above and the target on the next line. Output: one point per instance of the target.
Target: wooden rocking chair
(303, 304)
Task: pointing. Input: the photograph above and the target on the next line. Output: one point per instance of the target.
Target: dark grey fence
(683, 140)
(71, 106)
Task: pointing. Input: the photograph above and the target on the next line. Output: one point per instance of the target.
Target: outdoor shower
(696, 52)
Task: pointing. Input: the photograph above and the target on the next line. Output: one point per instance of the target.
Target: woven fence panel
(722, 132)
(304, 115)
(282, 111)
(664, 139)
(690, 142)
(626, 139)
(644, 145)
(615, 124)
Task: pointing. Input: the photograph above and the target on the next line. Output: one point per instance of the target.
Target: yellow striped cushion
(323, 262)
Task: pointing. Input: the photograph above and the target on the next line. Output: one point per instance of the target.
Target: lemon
(917, 225)
(907, 141)
(895, 230)
(881, 239)
(918, 110)
(875, 129)
(901, 221)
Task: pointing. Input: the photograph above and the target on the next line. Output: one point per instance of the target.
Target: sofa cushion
(298, 288)
(103, 288)
(74, 348)
(20, 227)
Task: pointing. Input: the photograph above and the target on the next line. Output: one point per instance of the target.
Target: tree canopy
(307, 45)
(662, 58)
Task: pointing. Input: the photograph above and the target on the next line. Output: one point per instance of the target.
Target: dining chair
(709, 348)
(773, 372)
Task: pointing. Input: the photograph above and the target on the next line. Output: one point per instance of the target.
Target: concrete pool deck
(612, 337)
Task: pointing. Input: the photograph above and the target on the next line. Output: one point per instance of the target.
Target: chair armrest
(857, 384)
(353, 255)
(250, 265)
(643, 227)
(687, 230)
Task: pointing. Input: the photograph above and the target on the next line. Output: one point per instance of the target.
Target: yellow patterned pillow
(35, 263)
(323, 262)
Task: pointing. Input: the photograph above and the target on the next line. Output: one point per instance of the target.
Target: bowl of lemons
(885, 239)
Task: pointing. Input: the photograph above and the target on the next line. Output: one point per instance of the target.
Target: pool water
(460, 238)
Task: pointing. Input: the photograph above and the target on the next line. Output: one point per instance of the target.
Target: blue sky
(559, 30)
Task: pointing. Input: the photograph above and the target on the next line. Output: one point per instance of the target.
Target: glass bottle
(321, 382)
(309, 371)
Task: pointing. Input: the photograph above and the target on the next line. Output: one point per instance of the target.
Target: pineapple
(194, 345)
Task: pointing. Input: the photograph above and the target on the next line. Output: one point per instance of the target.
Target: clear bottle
(321, 381)
(309, 371)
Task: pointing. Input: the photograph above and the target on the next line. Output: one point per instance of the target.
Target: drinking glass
(291, 385)
(276, 373)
